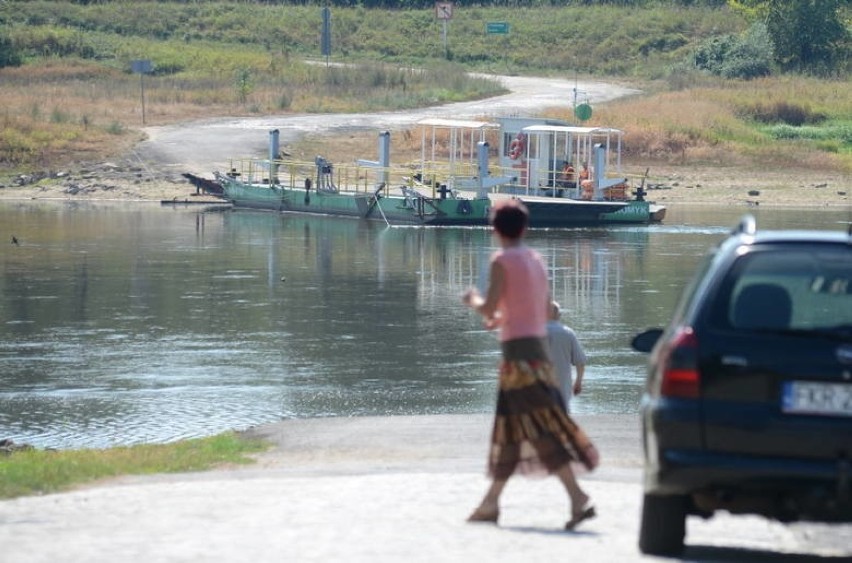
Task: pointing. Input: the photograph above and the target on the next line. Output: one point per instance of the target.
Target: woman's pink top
(523, 304)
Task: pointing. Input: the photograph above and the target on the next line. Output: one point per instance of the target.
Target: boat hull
(402, 210)
(636, 212)
(391, 209)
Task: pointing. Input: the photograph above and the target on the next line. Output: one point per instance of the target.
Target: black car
(747, 405)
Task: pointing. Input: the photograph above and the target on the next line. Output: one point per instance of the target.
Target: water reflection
(134, 323)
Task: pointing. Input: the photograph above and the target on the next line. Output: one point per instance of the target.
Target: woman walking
(532, 433)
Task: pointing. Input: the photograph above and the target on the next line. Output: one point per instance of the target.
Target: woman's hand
(492, 322)
(472, 298)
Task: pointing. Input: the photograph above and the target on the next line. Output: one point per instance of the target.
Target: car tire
(663, 525)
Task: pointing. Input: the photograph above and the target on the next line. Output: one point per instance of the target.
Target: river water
(127, 323)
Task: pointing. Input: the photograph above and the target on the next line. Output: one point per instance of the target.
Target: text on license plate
(806, 397)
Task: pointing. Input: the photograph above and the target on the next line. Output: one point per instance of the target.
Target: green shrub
(782, 112)
(731, 56)
(9, 55)
(115, 128)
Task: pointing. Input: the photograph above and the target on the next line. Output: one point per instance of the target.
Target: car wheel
(663, 525)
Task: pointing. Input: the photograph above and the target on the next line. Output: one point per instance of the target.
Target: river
(127, 323)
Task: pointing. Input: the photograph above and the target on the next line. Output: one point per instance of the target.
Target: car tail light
(679, 366)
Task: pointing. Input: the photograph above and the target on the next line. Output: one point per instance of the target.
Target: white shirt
(565, 351)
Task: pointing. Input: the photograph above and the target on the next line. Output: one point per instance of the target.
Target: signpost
(326, 33)
(499, 28)
(444, 12)
(143, 67)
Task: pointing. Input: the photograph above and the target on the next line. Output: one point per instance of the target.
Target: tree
(808, 35)
(9, 54)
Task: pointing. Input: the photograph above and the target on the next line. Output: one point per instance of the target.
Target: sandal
(586, 514)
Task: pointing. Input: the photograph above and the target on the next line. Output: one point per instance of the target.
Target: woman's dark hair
(509, 218)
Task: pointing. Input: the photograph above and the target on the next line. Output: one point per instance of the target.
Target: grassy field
(75, 99)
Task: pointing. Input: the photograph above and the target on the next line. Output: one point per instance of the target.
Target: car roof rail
(746, 226)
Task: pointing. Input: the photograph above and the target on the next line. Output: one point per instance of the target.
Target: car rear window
(804, 288)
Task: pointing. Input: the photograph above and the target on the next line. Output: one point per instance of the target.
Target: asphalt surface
(379, 490)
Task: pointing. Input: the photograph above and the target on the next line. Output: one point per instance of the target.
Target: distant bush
(781, 112)
(9, 55)
(733, 56)
(832, 137)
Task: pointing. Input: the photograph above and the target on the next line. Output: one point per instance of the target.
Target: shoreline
(671, 186)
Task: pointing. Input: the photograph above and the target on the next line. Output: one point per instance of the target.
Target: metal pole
(445, 38)
(142, 86)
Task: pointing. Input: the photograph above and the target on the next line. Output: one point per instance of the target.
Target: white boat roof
(457, 123)
(572, 129)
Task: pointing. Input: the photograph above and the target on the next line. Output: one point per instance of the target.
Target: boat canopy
(457, 123)
(572, 130)
(548, 146)
(456, 140)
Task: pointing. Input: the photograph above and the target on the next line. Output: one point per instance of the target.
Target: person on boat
(586, 182)
(567, 179)
(565, 351)
(532, 432)
(518, 146)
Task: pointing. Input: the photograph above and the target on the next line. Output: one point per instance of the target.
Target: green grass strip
(32, 472)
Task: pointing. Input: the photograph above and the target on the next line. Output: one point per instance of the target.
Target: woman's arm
(487, 306)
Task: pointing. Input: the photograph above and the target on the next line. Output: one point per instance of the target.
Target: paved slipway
(379, 490)
(202, 146)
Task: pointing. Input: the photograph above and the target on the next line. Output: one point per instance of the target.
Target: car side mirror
(645, 341)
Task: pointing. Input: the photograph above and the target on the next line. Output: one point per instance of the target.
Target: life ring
(517, 147)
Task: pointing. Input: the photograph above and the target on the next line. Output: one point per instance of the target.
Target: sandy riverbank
(672, 185)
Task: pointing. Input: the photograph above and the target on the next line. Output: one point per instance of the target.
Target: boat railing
(431, 179)
(338, 177)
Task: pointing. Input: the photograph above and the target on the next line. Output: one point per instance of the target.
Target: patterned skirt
(533, 435)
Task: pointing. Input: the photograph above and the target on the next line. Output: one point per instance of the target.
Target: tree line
(424, 4)
(807, 36)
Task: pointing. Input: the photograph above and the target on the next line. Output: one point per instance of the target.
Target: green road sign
(583, 112)
(497, 27)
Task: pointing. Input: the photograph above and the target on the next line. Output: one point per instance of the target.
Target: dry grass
(711, 126)
(57, 112)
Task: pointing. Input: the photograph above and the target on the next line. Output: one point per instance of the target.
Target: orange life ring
(516, 147)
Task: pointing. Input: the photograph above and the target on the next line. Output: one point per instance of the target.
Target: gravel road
(203, 146)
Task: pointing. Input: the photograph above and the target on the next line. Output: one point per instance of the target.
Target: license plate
(806, 397)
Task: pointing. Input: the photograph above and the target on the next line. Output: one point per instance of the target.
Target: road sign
(444, 10)
(501, 28)
(583, 112)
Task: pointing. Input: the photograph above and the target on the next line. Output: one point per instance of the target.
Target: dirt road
(201, 147)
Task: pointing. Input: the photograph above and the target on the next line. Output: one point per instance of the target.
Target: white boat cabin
(551, 157)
